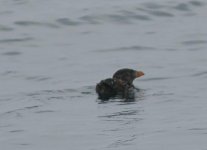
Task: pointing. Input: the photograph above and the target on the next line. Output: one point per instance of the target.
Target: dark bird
(121, 84)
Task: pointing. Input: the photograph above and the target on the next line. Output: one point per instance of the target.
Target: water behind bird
(52, 54)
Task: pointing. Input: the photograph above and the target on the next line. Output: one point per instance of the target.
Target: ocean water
(52, 54)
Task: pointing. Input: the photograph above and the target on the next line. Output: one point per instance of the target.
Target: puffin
(121, 84)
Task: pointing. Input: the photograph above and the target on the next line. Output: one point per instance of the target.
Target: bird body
(120, 84)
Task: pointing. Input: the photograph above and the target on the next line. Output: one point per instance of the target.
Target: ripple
(133, 15)
(196, 48)
(64, 94)
(126, 17)
(32, 107)
(118, 18)
(55, 98)
(5, 28)
(12, 53)
(9, 73)
(157, 13)
(162, 10)
(7, 12)
(86, 92)
(141, 17)
(122, 113)
(44, 111)
(182, 7)
(121, 17)
(122, 142)
(16, 40)
(200, 74)
(194, 42)
(90, 19)
(152, 5)
(125, 117)
(18, 110)
(198, 129)
(161, 13)
(48, 92)
(24, 144)
(35, 23)
(162, 93)
(16, 131)
(14, 111)
(130, 48)
(37, 78)
(196, 3)
(68, 22)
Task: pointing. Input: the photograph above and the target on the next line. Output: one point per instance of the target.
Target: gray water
(52, 54)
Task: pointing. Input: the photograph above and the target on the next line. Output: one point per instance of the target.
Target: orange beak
(139, 74)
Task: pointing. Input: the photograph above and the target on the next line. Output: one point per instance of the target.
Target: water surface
(52, 54)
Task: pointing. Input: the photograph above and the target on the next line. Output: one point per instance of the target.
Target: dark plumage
(105, 89)
(127, 75)
(121, 84)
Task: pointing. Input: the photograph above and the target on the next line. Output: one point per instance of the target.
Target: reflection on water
(120, 119)
(121, 125)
